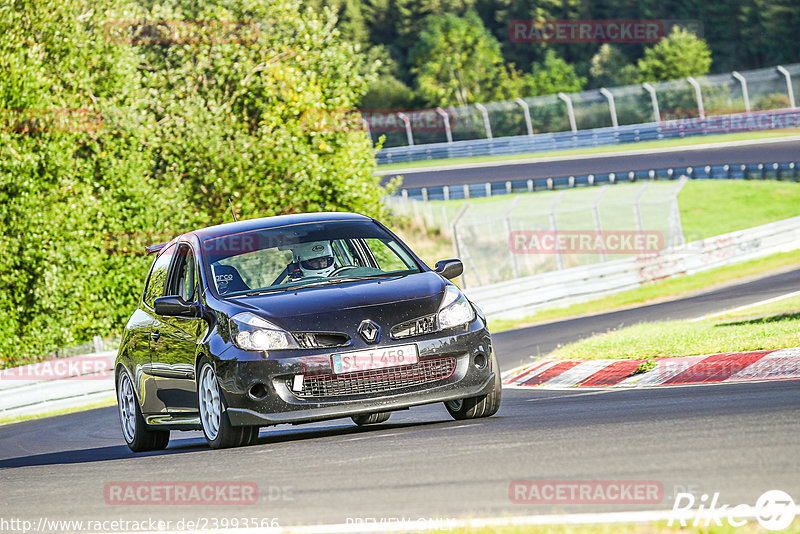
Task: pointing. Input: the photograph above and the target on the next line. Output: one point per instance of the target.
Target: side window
(158, 277)
(388, 258)
(182, 279)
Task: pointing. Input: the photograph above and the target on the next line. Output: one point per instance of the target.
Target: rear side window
(158, 277)
(182, 280)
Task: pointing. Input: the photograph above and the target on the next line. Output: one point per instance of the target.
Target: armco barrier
(634, 133)
(789, 171)
(523, 296)
(56, 384)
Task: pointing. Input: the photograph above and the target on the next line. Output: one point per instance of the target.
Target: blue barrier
(750, 171)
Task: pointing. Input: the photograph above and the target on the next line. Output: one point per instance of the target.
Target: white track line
(740, 308)
(665, 150)
(401, 524)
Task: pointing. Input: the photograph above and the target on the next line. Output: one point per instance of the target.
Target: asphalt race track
(783, 151)
(736, 439)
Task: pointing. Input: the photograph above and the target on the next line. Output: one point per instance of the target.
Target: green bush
(110, 142)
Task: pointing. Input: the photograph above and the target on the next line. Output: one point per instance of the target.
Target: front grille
(377, 380)
(415, 327)
(313, 340)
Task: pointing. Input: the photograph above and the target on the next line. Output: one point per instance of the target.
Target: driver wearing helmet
(314, 259)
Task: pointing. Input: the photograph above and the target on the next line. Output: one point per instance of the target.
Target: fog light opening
(258, 391)
(480, 361)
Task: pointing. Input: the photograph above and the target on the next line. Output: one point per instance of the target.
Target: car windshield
(303, 255)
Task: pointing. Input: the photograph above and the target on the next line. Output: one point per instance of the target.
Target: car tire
(371, 419)
(137, 436)
(251, 439)
(476, 407)
(217, 427)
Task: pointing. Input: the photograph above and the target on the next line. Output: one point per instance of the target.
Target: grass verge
(644, 145)
(768, 326)
(681, 338)
(709, 207)
(657, 291)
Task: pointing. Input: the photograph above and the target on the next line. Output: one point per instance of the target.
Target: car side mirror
(449, 268)
(175, 306)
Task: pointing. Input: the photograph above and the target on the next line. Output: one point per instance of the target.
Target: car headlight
(455, 310)
(251, 332)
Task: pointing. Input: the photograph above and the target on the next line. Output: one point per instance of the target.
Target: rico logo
(369, 331)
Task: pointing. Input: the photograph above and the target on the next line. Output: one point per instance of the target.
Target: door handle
(154, 336)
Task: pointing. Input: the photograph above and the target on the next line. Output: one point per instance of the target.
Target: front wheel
(476, 407)
(217, 427)
(138, 437)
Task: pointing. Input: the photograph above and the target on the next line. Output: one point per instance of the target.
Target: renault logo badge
(369, 331)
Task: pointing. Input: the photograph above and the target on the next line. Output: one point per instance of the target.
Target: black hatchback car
(294, 319)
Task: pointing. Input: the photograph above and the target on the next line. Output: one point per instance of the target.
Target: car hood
(341, 308)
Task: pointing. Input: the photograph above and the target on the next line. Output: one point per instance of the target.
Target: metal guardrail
(524, 296)
(525, 143)
(749, 171)
(634, 133)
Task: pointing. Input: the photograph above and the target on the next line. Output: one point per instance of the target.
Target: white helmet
(315, 258)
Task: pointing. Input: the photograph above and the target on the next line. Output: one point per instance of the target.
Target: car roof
(273, 222)
(250, 225)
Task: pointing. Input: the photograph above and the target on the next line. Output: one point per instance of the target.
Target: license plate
(377, 358)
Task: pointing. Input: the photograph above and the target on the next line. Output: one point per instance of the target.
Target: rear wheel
(217, 427)
(138, 437)
(476, 407)
(371, 419)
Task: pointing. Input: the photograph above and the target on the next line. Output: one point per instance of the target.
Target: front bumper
(280, 404)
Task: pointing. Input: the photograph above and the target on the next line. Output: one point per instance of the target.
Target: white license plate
(377, 358)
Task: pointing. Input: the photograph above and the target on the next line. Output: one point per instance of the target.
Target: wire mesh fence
(735, 92)
(513, 236)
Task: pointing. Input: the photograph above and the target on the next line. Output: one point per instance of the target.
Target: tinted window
(158, 277)
(301, 254)
(182, 279)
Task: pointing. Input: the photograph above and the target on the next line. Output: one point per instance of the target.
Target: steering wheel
(342, 269)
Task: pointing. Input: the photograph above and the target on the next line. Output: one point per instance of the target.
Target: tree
(181, 127)
(610, 67)
(457, 61)
(553, 75)
(679, 55)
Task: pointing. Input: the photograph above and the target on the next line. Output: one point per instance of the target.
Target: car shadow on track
(197, 444)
